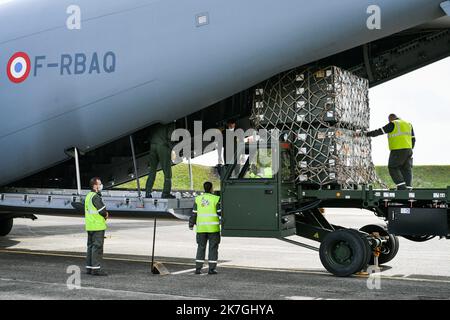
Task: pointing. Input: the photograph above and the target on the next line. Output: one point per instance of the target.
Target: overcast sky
(421, 97)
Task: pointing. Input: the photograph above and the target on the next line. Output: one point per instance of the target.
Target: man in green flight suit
(160, 153)
(206, 215)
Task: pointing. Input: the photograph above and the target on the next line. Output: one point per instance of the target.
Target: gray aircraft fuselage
(138, 62)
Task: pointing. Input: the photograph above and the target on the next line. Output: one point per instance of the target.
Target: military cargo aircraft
(86, 75)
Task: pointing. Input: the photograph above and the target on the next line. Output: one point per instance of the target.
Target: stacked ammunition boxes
(319, 110)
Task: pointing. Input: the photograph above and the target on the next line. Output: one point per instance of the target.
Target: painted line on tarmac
(65, 255)
(37, 253)
(306, 298)
(406, 278)
(102, 289)
(321, 273)
(228, 266)
(324, 273)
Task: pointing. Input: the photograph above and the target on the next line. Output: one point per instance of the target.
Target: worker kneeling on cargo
(401, 143)
(206, 215)
(96, 216)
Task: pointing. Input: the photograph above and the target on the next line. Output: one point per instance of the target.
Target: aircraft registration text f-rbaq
(21, 64)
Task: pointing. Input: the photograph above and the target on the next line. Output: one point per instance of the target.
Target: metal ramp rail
(26, 202)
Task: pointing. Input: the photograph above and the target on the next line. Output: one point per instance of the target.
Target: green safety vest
(401, 136)
(268, 174)
(94, 220)
(207, 219)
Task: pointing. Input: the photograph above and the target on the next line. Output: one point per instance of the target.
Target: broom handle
(153, 250)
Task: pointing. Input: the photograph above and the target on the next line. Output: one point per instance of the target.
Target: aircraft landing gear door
(250, 196)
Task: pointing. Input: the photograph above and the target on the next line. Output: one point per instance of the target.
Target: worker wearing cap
(160, 154)
(401, 143)
(95, 216)
(206, 215)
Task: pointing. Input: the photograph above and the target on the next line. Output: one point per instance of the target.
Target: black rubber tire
(397, 246)
(368, 250)
(343, 252)
(393, 243)
(5, 226)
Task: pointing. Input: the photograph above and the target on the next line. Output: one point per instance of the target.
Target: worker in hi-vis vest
(96, 216)
(206, 216)
(401, 143)
(265, 173)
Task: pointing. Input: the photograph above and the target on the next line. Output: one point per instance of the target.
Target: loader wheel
(343, 252)
(392, 246)
(367, 251)
(5, 226)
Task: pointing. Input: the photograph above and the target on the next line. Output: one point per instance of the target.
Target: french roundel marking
(19, 67)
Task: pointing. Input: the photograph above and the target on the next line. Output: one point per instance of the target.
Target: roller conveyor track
(22, 202)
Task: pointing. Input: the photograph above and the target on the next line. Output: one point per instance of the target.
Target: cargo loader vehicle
(278, 207)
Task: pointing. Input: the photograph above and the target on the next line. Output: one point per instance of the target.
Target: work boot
(212, 271)
(198, 271)
(168, 196)
(99, 273)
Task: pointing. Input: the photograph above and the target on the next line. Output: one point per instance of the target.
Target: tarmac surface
(44, 259)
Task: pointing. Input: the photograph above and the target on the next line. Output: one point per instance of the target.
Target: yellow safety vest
(207, 219)
(268, 174)
(401, 136)
(94, 220)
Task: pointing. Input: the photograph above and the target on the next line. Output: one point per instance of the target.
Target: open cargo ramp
(26, 202)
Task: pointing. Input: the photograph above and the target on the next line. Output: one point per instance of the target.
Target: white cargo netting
(320, 109)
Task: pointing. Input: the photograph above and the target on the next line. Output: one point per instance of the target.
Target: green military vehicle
(258, 202)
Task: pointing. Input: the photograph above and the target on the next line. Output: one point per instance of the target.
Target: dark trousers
(95, 249)
(160, 154)
(400, 167)
(213, 254)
